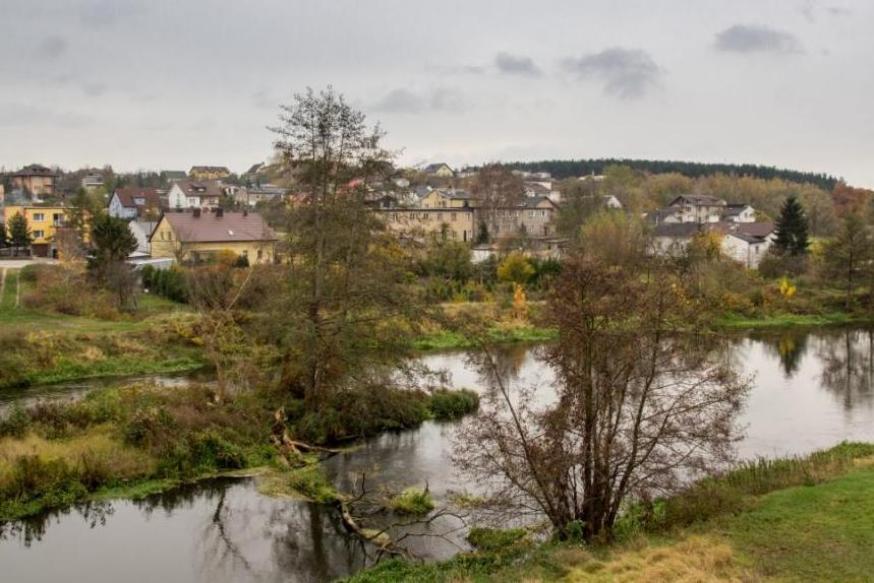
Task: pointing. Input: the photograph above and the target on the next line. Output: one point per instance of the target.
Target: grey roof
(678, 230)
(697, 200)
(535, 201)
(436, 166)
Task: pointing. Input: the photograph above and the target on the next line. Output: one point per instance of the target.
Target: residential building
(92, 182)
(696, 208)
(208, 172)
(35, 179)
(456, 223)
(198, 235)
(739, 213)
(142, 230)
(448, 198)
(532, 218)
(43, 222)
(252, 195)
(744, 242)
(440, 170)
(173, 175)
(188, 194)
(132, 202)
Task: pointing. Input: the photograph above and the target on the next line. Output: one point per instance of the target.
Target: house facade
(43, 222)
(532, 218)
(199, 235)
(441, 199)
(190, 194)
(440, 170)
(35, 180)
(745, 243)
(132, 202)
(456, 223)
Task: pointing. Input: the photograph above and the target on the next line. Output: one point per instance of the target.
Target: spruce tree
(19, 232)
(2, 235)
(792, 229)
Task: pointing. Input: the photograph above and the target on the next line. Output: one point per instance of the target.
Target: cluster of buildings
(742, 237)
(186, 220)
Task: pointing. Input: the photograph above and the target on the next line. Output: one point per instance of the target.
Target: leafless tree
(636, 410)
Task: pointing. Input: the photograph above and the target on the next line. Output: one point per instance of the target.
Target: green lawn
(810, 533)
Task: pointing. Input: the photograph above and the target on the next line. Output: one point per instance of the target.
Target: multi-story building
(43, 223)
(197, 235)
(35, 180)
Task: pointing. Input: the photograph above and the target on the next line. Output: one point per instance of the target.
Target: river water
(811, 389)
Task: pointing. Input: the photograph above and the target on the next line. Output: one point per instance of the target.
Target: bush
(312, 483)
(448, 405)
(492, 540)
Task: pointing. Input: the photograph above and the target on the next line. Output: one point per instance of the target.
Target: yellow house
(456, 223)
(197, 235)
(439, 198)
(43, 222)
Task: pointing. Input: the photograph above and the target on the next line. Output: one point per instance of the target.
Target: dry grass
(97, 444)
(696, 559)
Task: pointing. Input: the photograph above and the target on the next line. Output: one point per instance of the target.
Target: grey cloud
(406, 101)
(626, 73)
(51, 47)
(744, 38)
(516, 65)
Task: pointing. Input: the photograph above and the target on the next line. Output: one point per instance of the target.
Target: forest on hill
(570, 168)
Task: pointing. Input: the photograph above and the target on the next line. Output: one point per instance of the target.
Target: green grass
(735, 321)
(449, 340)
(415, 501)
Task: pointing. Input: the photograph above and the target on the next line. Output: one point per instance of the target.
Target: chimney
(197, 213)
(219, 212)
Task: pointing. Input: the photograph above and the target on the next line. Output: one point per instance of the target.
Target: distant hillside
(568, 168)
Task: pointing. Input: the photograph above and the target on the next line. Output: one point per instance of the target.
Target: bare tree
(636, 408)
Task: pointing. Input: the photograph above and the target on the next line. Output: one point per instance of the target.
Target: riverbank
(142, 439)
(804, 519)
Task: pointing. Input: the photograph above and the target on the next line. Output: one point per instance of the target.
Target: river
(811, 389)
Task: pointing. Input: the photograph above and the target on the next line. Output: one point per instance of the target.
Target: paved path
(24, 262)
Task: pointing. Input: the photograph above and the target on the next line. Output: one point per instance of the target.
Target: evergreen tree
(792, 229)
(19, 232)
(113, 242)
(3, 240)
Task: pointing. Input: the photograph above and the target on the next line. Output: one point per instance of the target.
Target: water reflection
(848, 367)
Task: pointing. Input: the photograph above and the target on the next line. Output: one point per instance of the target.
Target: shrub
(412, 501)
(491, 539)
(210, 449)
(312, 483)
(448, 405)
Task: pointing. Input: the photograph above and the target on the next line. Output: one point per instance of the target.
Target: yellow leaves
(520, 302)
(787, 288)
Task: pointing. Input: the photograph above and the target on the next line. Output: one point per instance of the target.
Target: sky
(161, 84)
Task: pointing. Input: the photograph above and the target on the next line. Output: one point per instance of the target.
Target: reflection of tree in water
(95, 513)
(848, 366)
(509, 360)
(789, 346)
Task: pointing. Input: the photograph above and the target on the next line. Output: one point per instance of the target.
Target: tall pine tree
(19, 232)
(792, 229)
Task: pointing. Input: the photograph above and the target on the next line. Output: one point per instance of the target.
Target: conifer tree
(792, 229)
(19, 232)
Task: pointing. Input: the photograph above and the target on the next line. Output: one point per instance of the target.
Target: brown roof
(216, 227)
(128, 196)
(762, 229)
(201, 187)
(195, 169)
(34, 170)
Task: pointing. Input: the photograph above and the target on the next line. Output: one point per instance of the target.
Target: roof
(128, 197)
(436, 166)
(536, 188)
(762, 229)
(215, 227)
(34, 170)
(677, 230)
(697, 200)
(535, 201)
(201, 187)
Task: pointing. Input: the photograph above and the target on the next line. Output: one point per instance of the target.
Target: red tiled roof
(212, 228)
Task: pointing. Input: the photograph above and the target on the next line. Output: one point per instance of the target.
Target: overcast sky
(149, 84)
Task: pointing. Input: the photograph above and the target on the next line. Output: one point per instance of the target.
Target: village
(194, 216)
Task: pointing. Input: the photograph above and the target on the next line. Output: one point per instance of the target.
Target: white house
(142, 230)
(195, 194)
(739, 213)
(133, 202)
(696, 208)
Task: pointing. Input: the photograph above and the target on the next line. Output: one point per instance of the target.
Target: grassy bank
(127, 441)
(740, 322)
(805, 519)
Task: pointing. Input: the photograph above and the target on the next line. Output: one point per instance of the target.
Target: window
(39, 217)
(38, 234)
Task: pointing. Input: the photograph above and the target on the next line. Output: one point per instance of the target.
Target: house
(446, 198)
(440, 170)
(35, 180)
(532, 217)
(43, 223)
(739, 213)
(198, 235)
(132, 202)
(696, 208)
(252, 195)
(173, 175)
(208, 172)
(185, 194)
(746, 243)
(455, 223)
(92, 182)
(142, 230)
